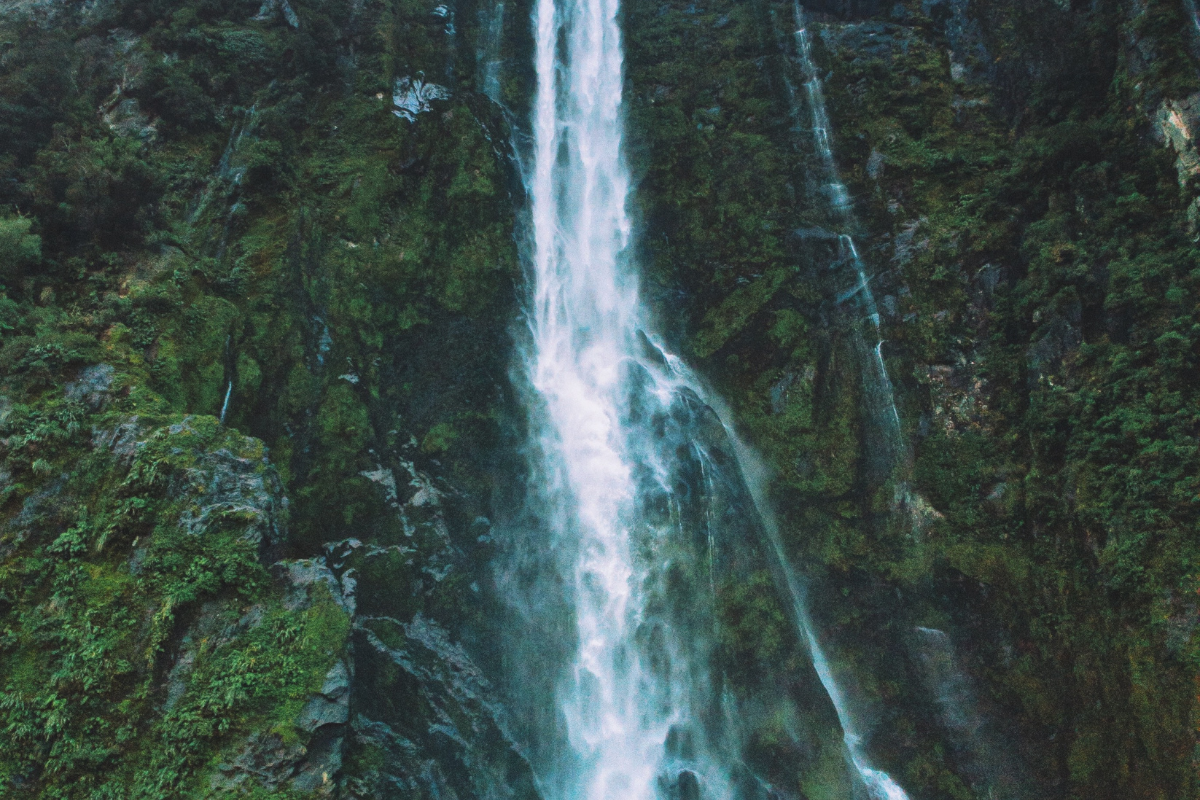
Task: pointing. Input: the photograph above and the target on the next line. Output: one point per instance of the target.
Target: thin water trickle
(876, 374)
(879, 785)
(225, 404)
(489, 56)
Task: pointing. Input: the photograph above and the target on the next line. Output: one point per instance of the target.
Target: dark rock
(122, 440)
(305, 573)
(687, 786)
(226, 486)
(424, 710)
(332, 705)
(264, 759)
(1047, 356)
(92, 386)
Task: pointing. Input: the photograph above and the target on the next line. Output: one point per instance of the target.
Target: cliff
(262, 445)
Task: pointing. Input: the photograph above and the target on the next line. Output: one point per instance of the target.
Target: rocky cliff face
(260, 443)
(1020, 178)
(259, 274)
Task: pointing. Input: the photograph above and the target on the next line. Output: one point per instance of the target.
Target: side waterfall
(878, 783)
(876, 378)
(620, 429)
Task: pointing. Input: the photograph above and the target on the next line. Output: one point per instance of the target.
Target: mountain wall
(261, 443)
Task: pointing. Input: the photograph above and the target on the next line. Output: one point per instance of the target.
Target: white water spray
(618, 708)
(621, 700)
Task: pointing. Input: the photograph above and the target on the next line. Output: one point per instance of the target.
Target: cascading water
(621, 434)
(987, 764)
(879, 384)
(878, 783)
(630, 685)
(489, 56)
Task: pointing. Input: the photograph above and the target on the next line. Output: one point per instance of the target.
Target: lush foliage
(212, 222)
(1033, 262)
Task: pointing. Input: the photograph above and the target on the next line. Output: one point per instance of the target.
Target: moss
(1029, 256)
(19, 248)
(100, 585)
(258, 237)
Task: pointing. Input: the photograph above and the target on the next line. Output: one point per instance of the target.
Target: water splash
(615, 417)
(633, 683)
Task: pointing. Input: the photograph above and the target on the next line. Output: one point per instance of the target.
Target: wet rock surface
(428, 718)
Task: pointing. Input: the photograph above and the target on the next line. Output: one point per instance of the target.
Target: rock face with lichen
(138, 596)
(228, 429)
(1021, 193)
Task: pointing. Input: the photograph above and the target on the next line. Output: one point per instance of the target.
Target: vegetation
(221, 261)
(1034, 263)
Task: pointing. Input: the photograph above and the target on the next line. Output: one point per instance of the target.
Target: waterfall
(875, 374)
(986, 762)
(225, 404)
(489, 57)
(631, 684)
(619, 427)
(879, 785)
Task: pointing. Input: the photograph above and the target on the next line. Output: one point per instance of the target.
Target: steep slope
(1022, 176)
(258, 276)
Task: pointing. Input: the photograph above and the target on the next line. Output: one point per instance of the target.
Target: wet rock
(426, 493)
(686, 786)
(779, 393)
(303, 574)
(264, 759)
(958, 395)
(316, 774)
(875, 163)
(846, 9)
(864, 41)
(210, 629)
(907, 244)
(121, 440)
(332, 705)
(969, 58)
(49, 510)
(387, 480)
(92, 386)
(424, 712)
(1047, 357)
(125, 118)
(230, 486)
(1176, 124)
(313, 765)
(270, 8)
(413, 96)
